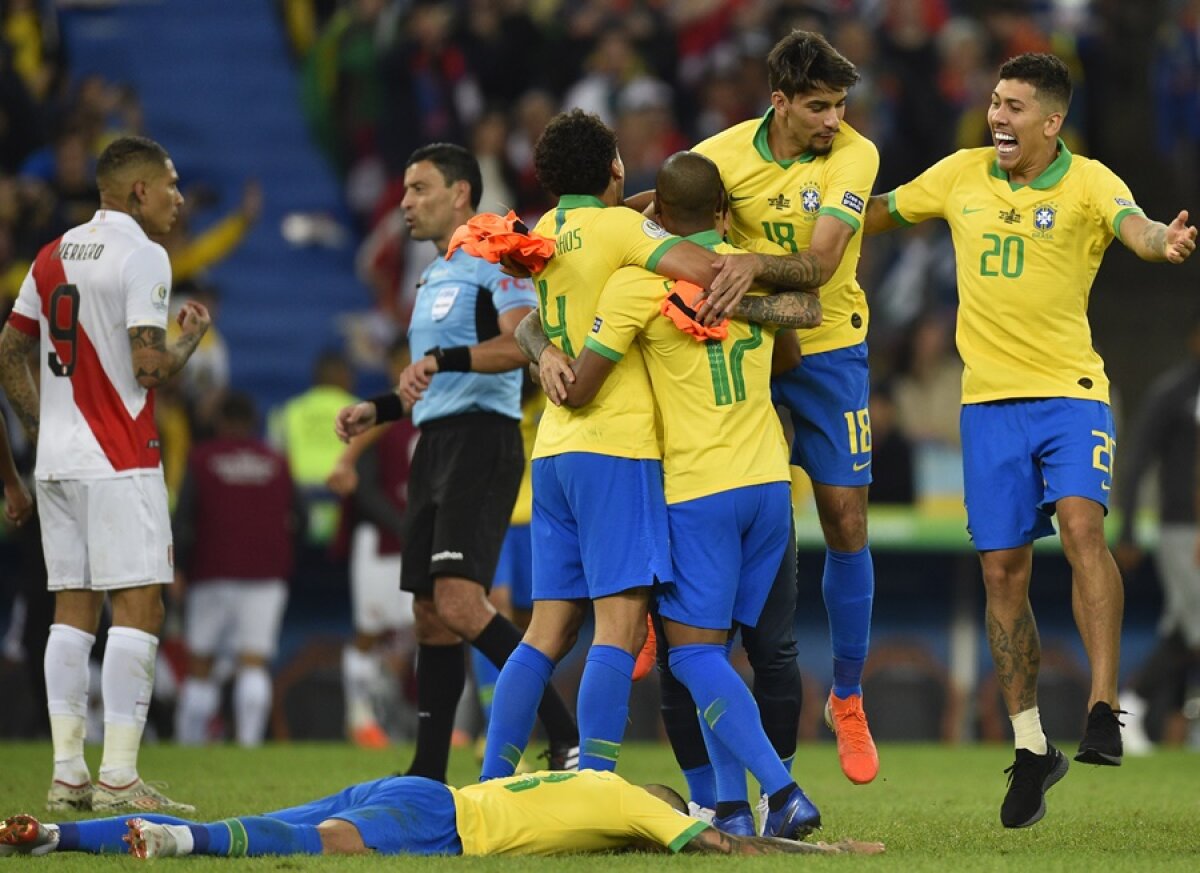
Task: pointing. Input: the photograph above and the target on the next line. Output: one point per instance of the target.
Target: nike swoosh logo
(733, 199)
(967, 211)
(863, 466)
(1104, 486)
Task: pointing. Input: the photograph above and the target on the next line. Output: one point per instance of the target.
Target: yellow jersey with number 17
(551, 813)
(1026, 257)
(782, 200)
(720, 429)
(591, 243)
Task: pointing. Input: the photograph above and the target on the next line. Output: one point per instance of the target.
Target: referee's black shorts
(466, 471)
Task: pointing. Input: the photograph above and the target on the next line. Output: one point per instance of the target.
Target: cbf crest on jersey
(1044, 217)
(810, 199)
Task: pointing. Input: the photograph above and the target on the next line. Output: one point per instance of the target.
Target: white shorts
(104, 534)
(234, 616)
(379, 604)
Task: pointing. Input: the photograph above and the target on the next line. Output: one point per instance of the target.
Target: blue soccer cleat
(795, 820)
(740, 823)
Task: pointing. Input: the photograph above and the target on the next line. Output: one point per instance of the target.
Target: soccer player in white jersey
(94, 309)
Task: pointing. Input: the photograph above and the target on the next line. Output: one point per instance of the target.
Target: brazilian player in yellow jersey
(800, 176)
(546, 813)
(1030, 222)
(727, 486)
(597, 475)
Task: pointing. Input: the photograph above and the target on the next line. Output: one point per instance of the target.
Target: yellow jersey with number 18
(720, 429)
(782, 200)
(591, 243)
(551, 813)
(1026, 257)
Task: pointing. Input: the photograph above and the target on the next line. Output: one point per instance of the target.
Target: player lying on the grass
(542, 813)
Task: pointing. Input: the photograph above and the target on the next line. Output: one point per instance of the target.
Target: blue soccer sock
(729, 776)
(486, 674)
(849, 589)
(104, 835)
(726, 704)
(702, 786)
(603, 706)
(519, 689)
(255, 835)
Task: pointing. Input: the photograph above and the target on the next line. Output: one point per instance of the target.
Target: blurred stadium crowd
(380, 77)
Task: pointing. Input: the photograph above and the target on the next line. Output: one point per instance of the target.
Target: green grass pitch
(936, 808)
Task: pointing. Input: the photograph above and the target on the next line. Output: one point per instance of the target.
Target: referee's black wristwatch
(455, 359)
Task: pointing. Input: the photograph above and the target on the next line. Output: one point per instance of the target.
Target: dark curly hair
(574, 153)
(804, 61)
(1049, 76)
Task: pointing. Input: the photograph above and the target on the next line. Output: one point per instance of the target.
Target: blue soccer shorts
(827, 395)
(1022, 456)
(395, 815)
(599, 526)
(726, 548)
(514, 570)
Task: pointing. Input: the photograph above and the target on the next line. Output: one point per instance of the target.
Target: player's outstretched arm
(794, 309)
(715, 842)
(154, 362)
(17, 379)
(878, 218)
(1155, 241)
(18, 505)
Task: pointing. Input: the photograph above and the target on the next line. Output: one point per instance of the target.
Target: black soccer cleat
(1029, 778)
(1101, 743)
(561, 756)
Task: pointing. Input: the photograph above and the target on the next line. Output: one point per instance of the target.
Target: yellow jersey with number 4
(782, 200)
(592, 243)
(1026, 257)
(559, 812)
(720, 430)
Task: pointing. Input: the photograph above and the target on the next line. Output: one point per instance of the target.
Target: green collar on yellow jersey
(574, 201)
(1049, 177)
(709, 239)
(763, 146)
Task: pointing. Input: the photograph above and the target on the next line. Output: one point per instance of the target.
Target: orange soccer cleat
(649, 653)
(856, 749)
(370, 736)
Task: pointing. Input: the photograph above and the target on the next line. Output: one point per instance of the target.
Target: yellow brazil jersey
(559, 812)
(1026, 256)
(720, 429)
(592, 243)
(781, 201)
(531, 414)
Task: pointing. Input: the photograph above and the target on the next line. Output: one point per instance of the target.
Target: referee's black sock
(441, 677)
(497, 641)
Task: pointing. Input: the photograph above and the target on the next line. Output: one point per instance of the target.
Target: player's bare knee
(464, 609)
(200, 666)
(339, 837)
(139, 608)
(428, 626)
(79, 609)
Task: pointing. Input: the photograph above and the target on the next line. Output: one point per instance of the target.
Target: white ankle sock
(66, 670)
(199, 700)
(360, 671)
(127, 678)
(251, 704)
(184, 841)
(1027, 731)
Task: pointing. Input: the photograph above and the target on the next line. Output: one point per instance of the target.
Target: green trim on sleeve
(602, 350)
(687, 836)
(894, 211)
(667, 245)
(1122, 215)
(841, 215)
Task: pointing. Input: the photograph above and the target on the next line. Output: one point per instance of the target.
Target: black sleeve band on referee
(387, 407)
(456, 359)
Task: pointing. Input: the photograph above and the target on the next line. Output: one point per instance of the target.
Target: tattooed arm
(715, 842)
(17, 378)
(153, 361)
(530, 337)
(787, 309)
(1155, 241)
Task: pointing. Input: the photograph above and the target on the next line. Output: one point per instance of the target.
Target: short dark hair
(804, 61)
(238, 408)
(1049, 76)
(455, 163)
(574, 154)
(689, 187)
(128, 151)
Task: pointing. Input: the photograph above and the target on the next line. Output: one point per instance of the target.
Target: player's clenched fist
(193, 318)
(353, 420)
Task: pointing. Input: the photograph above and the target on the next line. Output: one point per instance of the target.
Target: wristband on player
(387, 407)
(456, 359)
